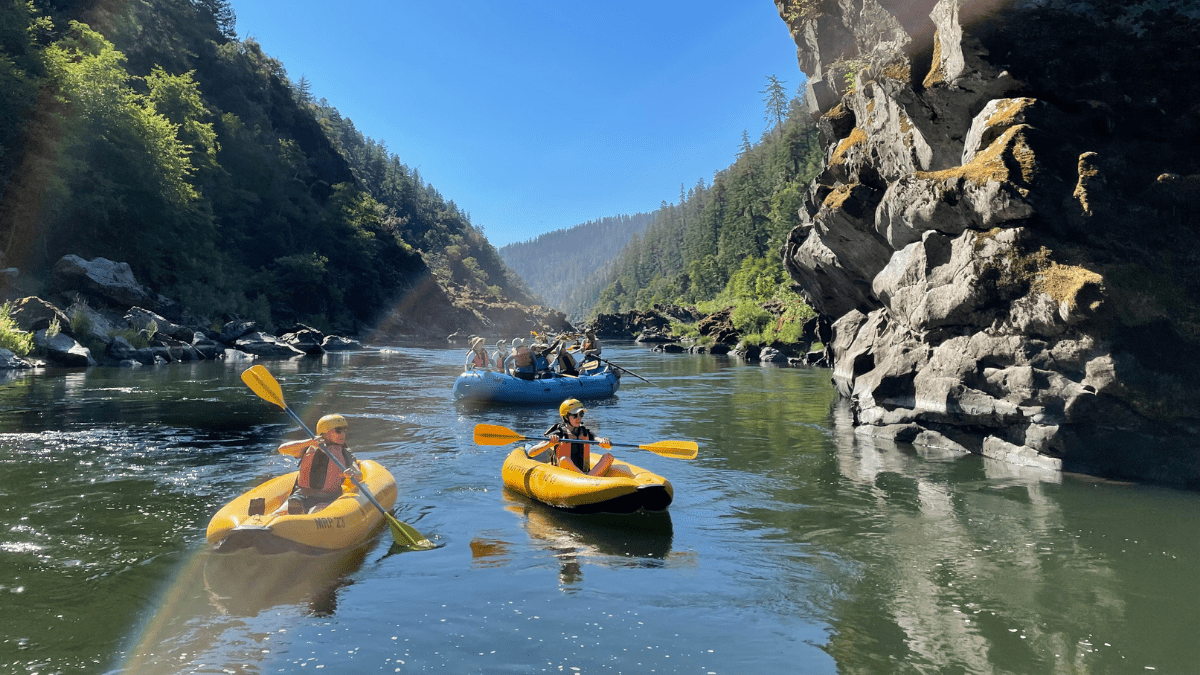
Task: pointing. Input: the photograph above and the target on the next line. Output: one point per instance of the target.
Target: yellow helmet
(330, 422)
(571, 405)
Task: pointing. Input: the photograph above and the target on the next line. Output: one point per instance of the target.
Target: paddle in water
(261, 382)
(491, 434)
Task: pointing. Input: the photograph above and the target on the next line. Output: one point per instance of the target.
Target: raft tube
(349, 521)
(626, 489)
(487, 385)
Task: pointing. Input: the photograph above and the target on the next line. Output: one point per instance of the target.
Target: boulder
(10, 361)
(719, 327)
(772, 355)
(141, 319)
(232, 331)
(267, 346)
(33, 314)
(337, 343)
(122, 351)
(63, 350)
(654, 335)
(106, 282)
(95, 325)
(305, 339)
(207, 347)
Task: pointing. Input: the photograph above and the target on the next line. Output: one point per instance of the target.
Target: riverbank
(754, 332)
(96, 313)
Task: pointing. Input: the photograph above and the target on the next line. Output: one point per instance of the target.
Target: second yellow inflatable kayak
(350, 520)
(626, 489)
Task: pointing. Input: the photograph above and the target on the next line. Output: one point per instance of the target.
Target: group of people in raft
(321, 481)
(534, 361)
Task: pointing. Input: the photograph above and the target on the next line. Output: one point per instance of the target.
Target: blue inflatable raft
(487, 385)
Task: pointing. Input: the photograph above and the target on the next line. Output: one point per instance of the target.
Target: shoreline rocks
(718, 333)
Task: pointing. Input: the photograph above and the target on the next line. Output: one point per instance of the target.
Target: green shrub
(53, 329)
(749, 317)
(12, 338)
(138, 339)
(755, 339)
(80, 323)
(681, 329)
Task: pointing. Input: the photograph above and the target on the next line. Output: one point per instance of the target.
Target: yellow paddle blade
(491, 434)
(406, 535)
(674, 449)
(261, 382)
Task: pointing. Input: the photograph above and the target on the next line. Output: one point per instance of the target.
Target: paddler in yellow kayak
(320, 480)
(574, 456)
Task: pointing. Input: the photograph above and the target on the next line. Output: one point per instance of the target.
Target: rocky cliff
(1006, 229)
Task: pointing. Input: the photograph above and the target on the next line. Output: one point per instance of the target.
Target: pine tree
(777, 102)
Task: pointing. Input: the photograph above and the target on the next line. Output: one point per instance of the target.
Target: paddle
(491, 434)
(261, 382)
(624, 369)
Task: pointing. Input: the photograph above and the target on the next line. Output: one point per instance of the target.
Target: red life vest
(318, 473)
(479, 360)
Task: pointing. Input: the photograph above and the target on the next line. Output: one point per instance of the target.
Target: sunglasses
(339, 430)
(576, 414)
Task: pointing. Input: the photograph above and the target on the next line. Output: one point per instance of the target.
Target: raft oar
(624, 369)
(491, 434)
(260, 380)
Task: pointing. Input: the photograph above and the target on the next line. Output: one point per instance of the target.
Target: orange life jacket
(318, 473)
(479, 360)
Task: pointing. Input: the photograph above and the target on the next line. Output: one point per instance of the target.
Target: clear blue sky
(534, 116)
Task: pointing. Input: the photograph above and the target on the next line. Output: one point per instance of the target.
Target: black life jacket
(580, 452)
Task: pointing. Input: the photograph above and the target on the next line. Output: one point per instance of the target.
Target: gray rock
(307, 340)
(234, 330)
(336, 343)
(33, 314)
(141, 319)
(267, 346)
(10, 361)
(63, 350)
(772, 355)
(101, 278)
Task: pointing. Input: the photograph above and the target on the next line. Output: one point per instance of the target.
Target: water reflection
(633, 540)
(965, 564)
(244, 583)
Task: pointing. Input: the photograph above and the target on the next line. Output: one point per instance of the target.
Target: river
(791, 547)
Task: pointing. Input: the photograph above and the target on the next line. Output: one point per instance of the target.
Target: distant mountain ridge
(567, 267)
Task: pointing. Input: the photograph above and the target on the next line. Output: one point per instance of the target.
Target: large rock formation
(1006, 231)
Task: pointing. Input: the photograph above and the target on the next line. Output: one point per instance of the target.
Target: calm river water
(791, 547)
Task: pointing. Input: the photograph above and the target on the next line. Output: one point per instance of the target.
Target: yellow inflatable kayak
(348, 521)
(626, 488)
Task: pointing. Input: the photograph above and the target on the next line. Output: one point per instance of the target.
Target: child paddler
(320, 480)
(574, 456)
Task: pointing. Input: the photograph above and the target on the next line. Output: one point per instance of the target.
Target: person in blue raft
(574, 456)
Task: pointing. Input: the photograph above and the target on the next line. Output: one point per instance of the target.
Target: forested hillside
(149, 133)
(567, 267)
(722, 241)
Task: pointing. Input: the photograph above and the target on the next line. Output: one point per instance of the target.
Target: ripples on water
(792, 546)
